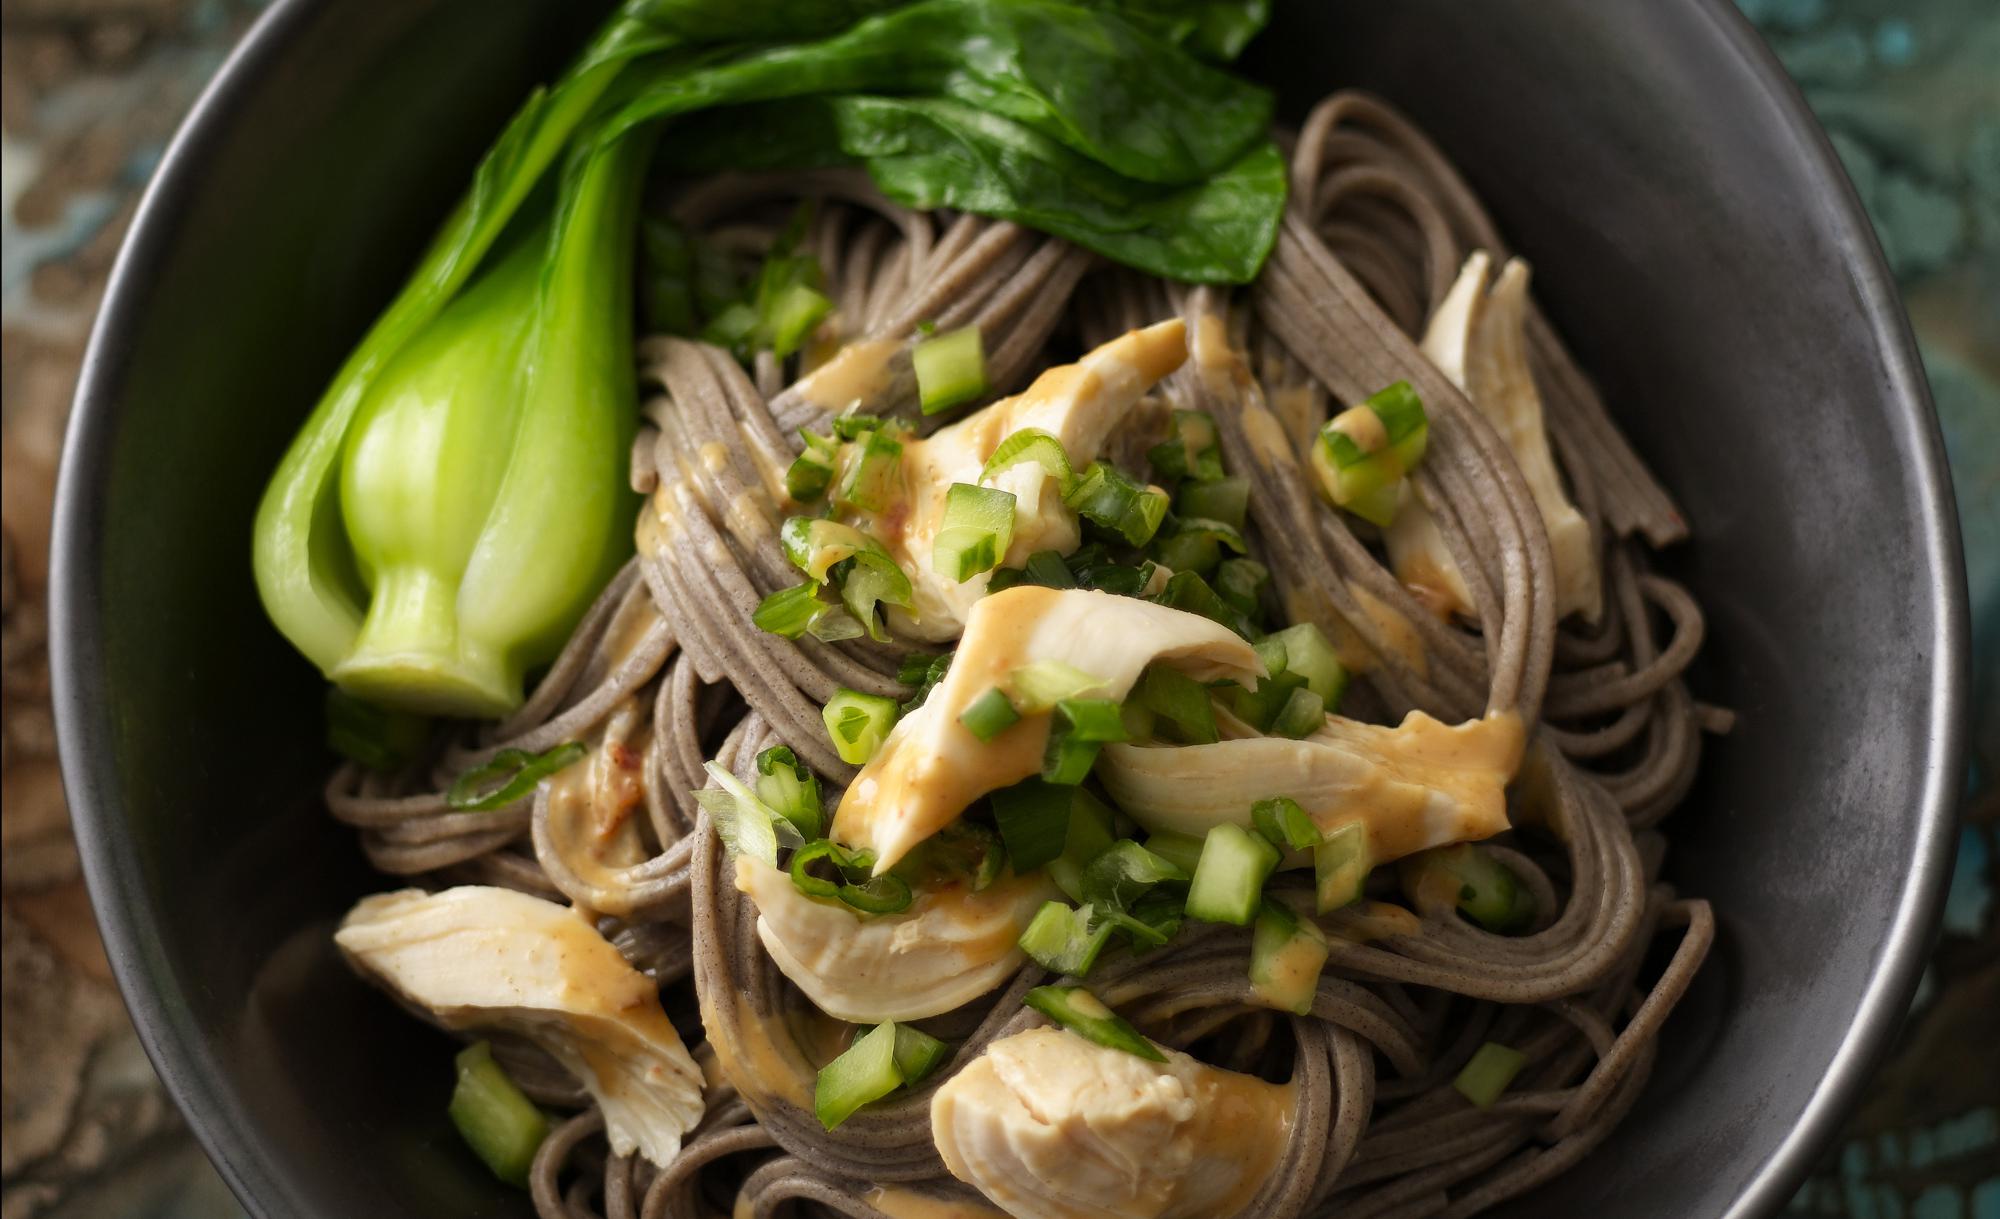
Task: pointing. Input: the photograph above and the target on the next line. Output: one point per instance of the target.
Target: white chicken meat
(1418, 785)
(950, 947)
(1478, 339)
(485, 958)
(931, 767)
(1048, 1125)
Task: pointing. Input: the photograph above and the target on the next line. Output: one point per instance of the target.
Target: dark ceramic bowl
(1691, 234)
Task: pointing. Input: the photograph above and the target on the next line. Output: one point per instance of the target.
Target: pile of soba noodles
(667, 672)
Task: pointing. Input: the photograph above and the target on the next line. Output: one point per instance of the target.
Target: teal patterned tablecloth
(1908, 89)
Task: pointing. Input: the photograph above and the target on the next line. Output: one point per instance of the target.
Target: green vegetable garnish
(1284, 823)
(789, 788)
(1287, 954)
(858, 723)
(1038, 446)
(1229, 881)
(951, 370)
(510, 775)
(496, 1119)
(1486, 1075)
(978, 527)
(1079, 1011)
(865, 1072)
(1341, 863)
(1363, 453)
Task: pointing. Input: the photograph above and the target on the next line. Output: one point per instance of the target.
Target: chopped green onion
(1081, 728)
(1221, 532)
(1091, 719)
(1282, 821)
(1089, 835)
(1180, 701)
(1192, 451)
(1364, 452)
(815, 546)
(885, 894)
(1225, 500)
(874, 475)
(1302, 715)
(865, 1072)
(978, 528)
(858, 723)
(1091, 567)
(1341, 863)
(1229, 881)
(918, 1054)
(376, 737)
(1492, 1067)
(1081, 1012)
(1040, 685)
(1032, 444)
(1107, 497)
(1046, 568)
(792, 315)
(1160, 912)
(789, 788)
(925, 680)
(791, 612)
(746, 825)
(494, 1117)
(1186, 590)
(951, 369)
(1034, 818)
(516, 771)
(989, 715)
(1402, 414)
(1287, 955)
(1181, 850)
(912, 669)
(964, 850)
(1197, 553)
(1065, 939)
(850, 865)
(1127, 872)
(811, 472)
(857, 425)
(1487, 891)
(734, 328)
(1308, 654)
(1241, 582)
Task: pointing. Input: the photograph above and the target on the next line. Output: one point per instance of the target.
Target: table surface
(92, 89)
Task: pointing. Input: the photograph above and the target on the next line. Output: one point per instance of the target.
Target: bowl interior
(1690, 238)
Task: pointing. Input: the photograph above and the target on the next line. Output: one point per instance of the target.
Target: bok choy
(457, 497)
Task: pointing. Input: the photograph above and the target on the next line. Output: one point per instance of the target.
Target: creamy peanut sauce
(1294, 966)
(1418, 785)
(759, 1057)
(855, 379)
(1368, 920)
(932, 768)
(1364, 427)
(1397, 633)
(593, 802)
(1047, 1124)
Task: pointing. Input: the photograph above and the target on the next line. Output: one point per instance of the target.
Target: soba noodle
(668, 666)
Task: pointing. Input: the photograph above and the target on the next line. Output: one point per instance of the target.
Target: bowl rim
(113, 873)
